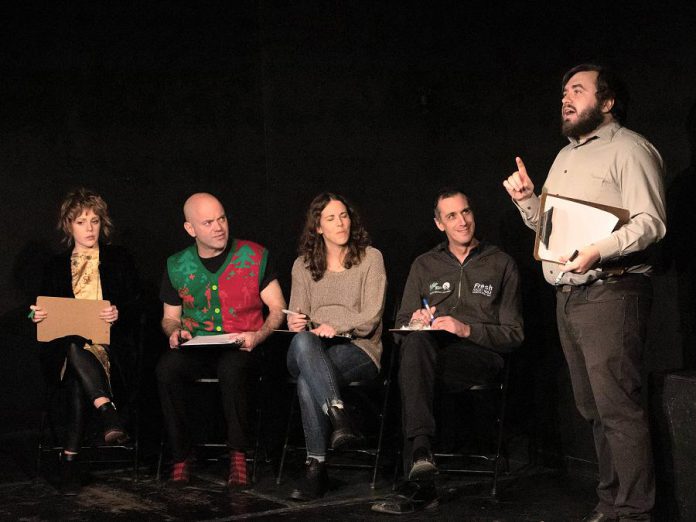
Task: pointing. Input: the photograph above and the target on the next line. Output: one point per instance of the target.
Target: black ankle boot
(113, 429)
(343, 431)
(314, 484)
(70, 481)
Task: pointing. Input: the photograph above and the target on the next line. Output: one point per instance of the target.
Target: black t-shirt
(169, 295)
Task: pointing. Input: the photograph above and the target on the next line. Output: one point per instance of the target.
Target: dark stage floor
(528, 494)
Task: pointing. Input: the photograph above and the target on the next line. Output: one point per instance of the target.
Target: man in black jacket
(469, 291)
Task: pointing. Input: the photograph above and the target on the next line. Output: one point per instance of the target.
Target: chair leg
(257, 444)
(287, 438)
(380, 436)
(501, 428)
(160, 458)
(39, 454)
(397, 466)
(136, 445)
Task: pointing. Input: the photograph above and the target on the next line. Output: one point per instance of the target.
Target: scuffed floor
(109, 494)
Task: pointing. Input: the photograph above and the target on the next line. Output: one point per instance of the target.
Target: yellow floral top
(86, 284)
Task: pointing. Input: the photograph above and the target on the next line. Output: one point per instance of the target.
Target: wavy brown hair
(312, 248)
(74, 204)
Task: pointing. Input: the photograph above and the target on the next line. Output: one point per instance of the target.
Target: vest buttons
(217, 310)
(214, 287)
(218, 328)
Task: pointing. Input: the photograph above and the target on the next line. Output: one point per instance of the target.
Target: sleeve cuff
(474, 333)
(608, 248)
(529, 207)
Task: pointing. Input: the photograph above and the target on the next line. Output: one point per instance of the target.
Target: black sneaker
(423, 467)
(314, 484)
(411, 497)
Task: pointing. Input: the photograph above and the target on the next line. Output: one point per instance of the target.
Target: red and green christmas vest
(227, 301)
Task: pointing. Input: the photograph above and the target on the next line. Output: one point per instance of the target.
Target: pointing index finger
(521, 168)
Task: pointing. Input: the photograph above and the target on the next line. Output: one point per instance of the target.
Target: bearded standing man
(604, 295)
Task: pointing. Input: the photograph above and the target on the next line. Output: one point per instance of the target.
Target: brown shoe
(314, 483)
(343, 431)
(114, 432)
(423, 467)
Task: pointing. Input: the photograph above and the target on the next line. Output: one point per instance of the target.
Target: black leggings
(85, 381)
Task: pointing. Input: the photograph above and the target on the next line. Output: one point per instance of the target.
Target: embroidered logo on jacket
(483, 289)
(437, 288)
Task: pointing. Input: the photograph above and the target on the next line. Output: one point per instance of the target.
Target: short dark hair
(609, 86)
(448, 192)
(74, 204)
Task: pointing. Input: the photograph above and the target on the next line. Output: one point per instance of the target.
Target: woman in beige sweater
(338, 292)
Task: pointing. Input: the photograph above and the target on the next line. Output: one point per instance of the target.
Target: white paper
(574, 226)
(202, 340)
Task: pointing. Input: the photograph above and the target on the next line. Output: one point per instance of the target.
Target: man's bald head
(197, 201)
(207, 223)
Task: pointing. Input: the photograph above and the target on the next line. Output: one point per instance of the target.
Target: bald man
(215, 286)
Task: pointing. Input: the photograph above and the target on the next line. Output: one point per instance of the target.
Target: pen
(290, 312)
(31, 315)
(561, 273)
(427, 309)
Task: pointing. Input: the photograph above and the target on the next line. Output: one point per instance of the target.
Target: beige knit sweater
(352, 301)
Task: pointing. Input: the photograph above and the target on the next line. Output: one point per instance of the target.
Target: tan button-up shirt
(617, 167)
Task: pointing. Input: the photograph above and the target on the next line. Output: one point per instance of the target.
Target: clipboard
(213, 342)
(70, 316)
(567, 224)
(340, 336)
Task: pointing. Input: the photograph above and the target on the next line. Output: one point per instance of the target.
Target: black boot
(114, 431)
(70, 481)
(343, 431)
(314, 484)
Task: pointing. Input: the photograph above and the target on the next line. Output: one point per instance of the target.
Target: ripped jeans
(321, 367)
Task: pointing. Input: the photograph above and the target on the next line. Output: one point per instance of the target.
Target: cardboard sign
(69, 316)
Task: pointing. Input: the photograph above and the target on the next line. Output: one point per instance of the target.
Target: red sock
(180, 471)
(238, 469)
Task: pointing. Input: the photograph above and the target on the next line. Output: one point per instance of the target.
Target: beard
(588, 120)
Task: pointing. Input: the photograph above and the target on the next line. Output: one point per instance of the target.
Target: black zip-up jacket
(483, 292)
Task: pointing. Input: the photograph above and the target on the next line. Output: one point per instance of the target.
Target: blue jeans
(321, 366)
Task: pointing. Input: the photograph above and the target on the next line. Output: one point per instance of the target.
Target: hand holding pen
(297, 321)
(428, 310)
(423, 316)
(560, 275)
(178, 337)
(37, 314)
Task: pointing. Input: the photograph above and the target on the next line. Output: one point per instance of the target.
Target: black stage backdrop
(266, 103)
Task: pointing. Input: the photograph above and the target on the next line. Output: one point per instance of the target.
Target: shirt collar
(444, 247)
(603, 132)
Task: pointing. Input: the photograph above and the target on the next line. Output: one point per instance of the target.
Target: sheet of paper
(70, 316)
(208, 340)
(574, 225)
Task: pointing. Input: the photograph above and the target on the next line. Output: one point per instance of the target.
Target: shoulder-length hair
(312, 248)
(72, 207)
